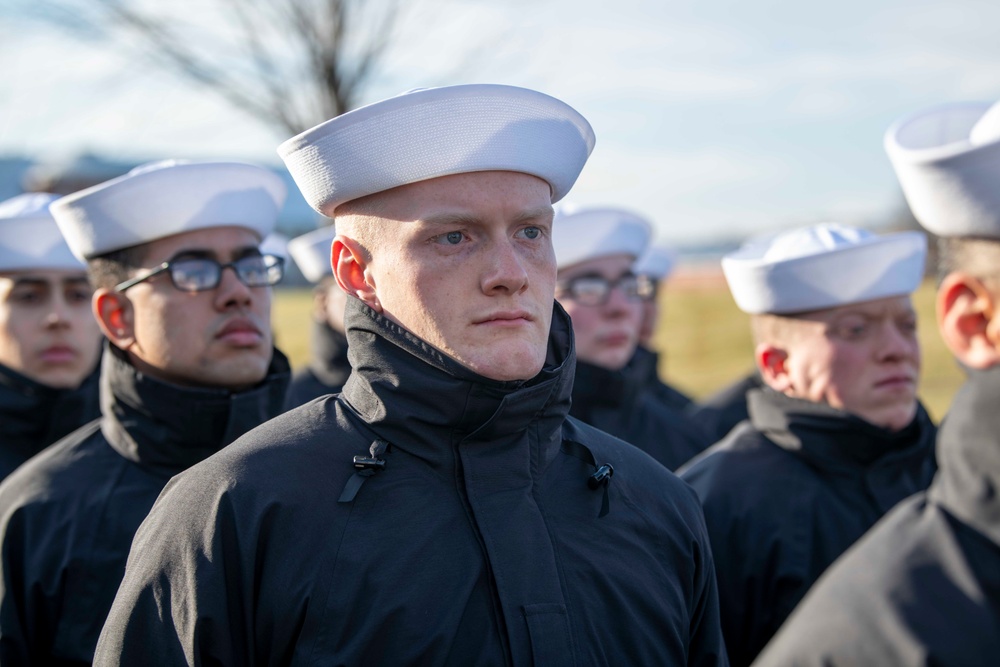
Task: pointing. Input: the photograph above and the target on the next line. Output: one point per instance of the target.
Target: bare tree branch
(294, 63)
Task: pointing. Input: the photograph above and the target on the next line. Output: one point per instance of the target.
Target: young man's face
(219, 337)
(606, 333)
(466, 263)
(863, 358)
(47, 332)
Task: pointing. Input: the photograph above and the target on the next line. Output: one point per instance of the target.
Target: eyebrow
(81, 280)
(204, 253)
(467, 219)
(31, 282)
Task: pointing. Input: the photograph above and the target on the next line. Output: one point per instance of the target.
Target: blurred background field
(704, 339)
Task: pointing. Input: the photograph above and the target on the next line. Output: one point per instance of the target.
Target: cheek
(166, 330)
(849, 372)
(83, 320)
(583, 324)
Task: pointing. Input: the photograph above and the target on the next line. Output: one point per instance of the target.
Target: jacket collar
(168, 428)
(596, 387)
(833, 438)
(35, 415)
(423, 402)
(329, 355)
(969, 455)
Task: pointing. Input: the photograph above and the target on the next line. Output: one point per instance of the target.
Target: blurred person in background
(836, 437)
(49, 341)
(328, 366)
(653, 269)
(923, 586)
(596, 251)
(182, 293)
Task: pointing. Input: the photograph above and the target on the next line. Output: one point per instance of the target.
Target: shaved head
(978, 257)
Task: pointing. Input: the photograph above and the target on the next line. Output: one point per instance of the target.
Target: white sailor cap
(434, 132)
(311, 253)
(166, 198)
(29, 236)
(947, 160)
(823, 266)
(657, 262)
(580, 234)
(275, 244)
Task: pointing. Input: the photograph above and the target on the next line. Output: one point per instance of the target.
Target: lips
(896, 381)
(615, 339)
(58, 354)
(240, 333)
(509, 317)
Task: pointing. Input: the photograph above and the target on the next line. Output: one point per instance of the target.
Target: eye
(27, 297)
(852, 329)
(531, 232)
(78, 296)
(450, 238)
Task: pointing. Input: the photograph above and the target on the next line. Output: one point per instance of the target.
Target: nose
(505, 271)
(231, 291)
(619, 303)
(897, 344)
(58, 317)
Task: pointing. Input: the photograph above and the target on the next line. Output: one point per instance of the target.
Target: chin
(510, 367)
(60, 379)
(895, 419)
(240, 373)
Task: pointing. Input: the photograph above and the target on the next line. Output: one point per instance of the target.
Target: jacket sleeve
(185, 598)
(706, 645)
(754, 561)
(15, 593)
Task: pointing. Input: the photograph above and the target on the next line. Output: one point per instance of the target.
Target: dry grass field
(704, 338)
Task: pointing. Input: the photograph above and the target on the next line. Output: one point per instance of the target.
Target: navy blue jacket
(67, 517)
(327, 371)
(923, 587)
(623, 404)
(469, 536)
(33, 416)
(788, 492)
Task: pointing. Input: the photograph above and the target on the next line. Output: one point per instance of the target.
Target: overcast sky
(713, 117)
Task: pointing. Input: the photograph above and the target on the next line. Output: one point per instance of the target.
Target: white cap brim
(437, 132)
(311, 253)
(657, 263)
(163, 199)
(950, 180)
(582, 234)
(29, 237)
(877, 268)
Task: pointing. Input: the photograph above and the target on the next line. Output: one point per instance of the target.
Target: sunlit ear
(771, 361)
(351, 268)
(114, 314)
(967, 319)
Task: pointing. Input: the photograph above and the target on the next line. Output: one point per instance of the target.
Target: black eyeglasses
(596, 290)
(200, 274)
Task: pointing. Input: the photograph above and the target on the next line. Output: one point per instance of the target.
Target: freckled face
(469, 268)
(863, 358)
(47, 331)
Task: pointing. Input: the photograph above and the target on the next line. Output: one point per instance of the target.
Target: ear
(352, 269)
(771, 361)
(967, 319)
(114, 314)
